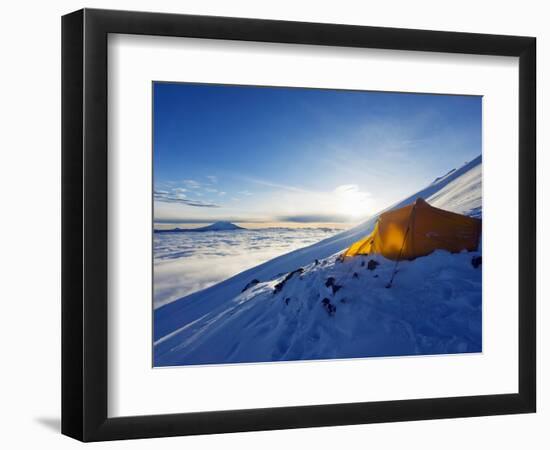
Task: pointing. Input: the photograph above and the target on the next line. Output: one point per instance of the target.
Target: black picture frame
(84, 224)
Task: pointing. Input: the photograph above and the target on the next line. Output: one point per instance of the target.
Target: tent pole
(389, 285)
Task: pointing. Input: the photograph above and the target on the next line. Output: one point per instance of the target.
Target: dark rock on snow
(279, 286)
(372, 264)
(254, 282)
(329, 307)
(331, 283)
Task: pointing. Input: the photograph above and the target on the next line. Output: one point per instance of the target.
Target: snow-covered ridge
(340, 309)
(180, 324)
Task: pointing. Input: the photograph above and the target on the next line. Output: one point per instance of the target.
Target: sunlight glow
(351, 201)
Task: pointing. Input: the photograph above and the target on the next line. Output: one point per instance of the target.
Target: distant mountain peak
(221, 225)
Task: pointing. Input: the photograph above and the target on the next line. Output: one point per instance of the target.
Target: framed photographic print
(273, 224)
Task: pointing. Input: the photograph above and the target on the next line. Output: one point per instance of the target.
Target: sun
(351, 201)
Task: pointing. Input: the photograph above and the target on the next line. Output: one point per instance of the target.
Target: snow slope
(433, 307)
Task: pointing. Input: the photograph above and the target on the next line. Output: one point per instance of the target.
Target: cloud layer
(188, 262)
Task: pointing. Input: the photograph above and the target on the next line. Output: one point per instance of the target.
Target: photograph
(266, 225)
(300, 224)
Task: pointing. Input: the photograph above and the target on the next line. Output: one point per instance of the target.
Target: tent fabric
(417, 230)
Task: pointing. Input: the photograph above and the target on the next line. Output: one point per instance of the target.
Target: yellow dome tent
(417, 230)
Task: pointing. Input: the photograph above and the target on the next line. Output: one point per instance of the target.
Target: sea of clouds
(189, 262)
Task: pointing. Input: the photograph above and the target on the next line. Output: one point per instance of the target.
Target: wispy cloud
(351, 189)
(178, 197)
(191, 184)
(271, 184)
(212, 178)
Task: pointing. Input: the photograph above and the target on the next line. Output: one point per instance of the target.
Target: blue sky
(266, 155)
